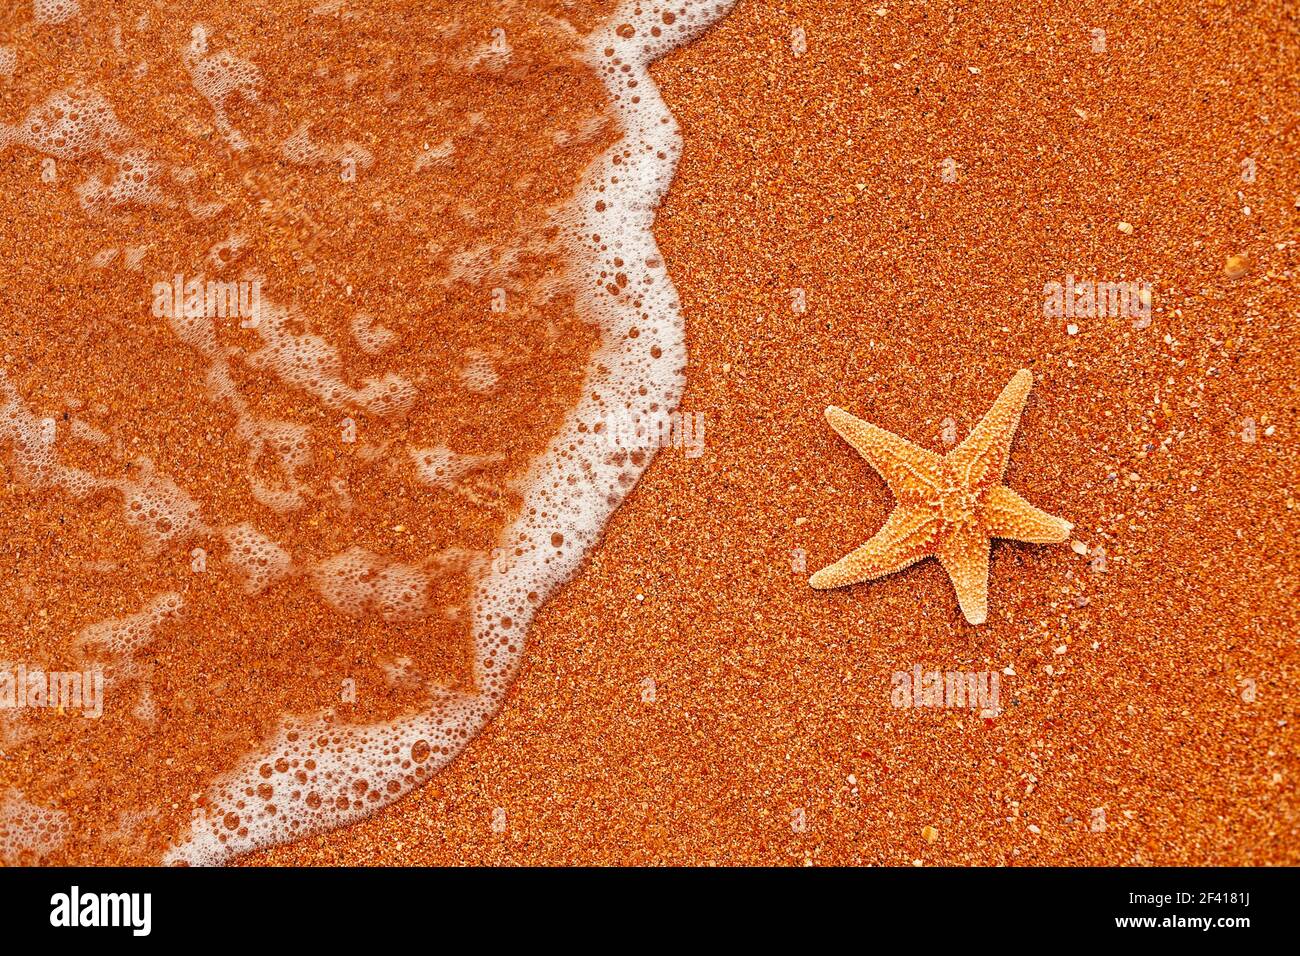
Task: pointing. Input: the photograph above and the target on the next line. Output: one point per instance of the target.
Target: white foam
(121, 637)
(114, 643)
(309, 362)
(76, 123)
(219, 76)
(133, 256)
(54, 12)
(71, 124)
(287, 442)
(357, 581)
(371, 335)
(490, 57)
(103, 259)
(478, 374)
(434, 155)
(317, 773)
(135, 183)
(153, 504)
(159, 508)
(226, 253)
(300, 150)
(87, 432)
(258, 559)
(26, 829)
(441, 467)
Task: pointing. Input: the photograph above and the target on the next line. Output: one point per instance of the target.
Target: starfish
(949, 507)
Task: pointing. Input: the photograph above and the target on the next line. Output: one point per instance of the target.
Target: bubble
(218, 77)
(122, 637)
(441, 467)
(54, 12)
(28, 832)
(258, 559)
(357, 581)
(308, 361)
(478, 374)
(158, 508)
(71, 124)
(371, 335)
(300, 150)
(135, 183)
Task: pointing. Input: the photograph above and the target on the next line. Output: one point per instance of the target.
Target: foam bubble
(300, 150)
(219, 76)
(28, 832)
(434, 155)
(477, 373)
(103, 258)
(308, 361)
(124, 636)
(370, 335)
(54, 12)
(358, 581)
(152, 503)
(76, 123)
(441, 467)
(158, 508)
(260, 560)
(135, 183)
(490, 57)
(71, 124)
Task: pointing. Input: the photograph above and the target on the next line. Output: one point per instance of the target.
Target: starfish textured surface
(949, 507)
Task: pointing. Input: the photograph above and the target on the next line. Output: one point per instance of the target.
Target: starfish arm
(906, 537)
(908, 469)
(1007, 515)
(982, 458)
(964, 554)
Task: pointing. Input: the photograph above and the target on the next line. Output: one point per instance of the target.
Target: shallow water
(334, 335)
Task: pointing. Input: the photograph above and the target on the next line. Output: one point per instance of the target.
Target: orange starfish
(949, 507)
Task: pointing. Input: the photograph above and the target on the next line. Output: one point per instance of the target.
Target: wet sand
(1147, 709)
(281, 511)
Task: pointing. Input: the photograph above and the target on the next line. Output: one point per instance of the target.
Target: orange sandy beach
(823, 172)
(872, 207)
